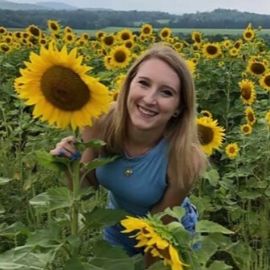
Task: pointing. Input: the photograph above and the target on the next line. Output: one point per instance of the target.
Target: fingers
(65, 147)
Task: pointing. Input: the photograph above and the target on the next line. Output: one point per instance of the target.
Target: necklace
(128, 171)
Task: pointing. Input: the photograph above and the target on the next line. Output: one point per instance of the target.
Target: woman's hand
(66, 148)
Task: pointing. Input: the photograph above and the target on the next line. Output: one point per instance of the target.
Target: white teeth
(146, 112)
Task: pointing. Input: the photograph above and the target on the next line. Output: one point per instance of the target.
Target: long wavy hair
(181, 131)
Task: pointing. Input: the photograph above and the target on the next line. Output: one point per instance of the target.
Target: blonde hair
(185, 158)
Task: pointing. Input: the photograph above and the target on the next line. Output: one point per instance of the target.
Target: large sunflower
(211, 50)
(210, 134)
(148, 238)
(56, 83)
(247, 91)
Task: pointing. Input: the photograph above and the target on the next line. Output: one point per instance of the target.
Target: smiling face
(154, 96)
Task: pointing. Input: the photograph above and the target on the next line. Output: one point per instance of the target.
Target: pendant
(128, 172)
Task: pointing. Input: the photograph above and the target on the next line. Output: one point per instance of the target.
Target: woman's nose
(150, 97)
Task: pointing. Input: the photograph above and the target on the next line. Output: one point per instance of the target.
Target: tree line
(97, 19)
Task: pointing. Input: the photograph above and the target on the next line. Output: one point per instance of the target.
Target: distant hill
(38, 6)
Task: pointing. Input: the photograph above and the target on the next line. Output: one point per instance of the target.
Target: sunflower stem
(75, 196)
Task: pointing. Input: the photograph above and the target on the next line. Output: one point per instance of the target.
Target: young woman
(152, 127)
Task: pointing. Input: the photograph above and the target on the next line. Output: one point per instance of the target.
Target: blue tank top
(136, 184)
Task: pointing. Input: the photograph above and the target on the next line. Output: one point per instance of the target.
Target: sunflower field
(54, 81)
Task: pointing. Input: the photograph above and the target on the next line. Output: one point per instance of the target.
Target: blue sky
(171, 6)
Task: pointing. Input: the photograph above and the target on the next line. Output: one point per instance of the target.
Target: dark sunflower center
(257, 68)
(34, 31)
(64, 88)
(197, 38)
(146, 30)
(108, 40)
(212, 50)
(206, 134)
(248, 34)
(165, 33)
(54, 27)
(267, 80)
(246, 93)
(232, 150)
(120, 56)
(250, 117)
(125, 36)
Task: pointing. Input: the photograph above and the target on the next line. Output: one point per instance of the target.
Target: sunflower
(69, 38)
(249, 33)
(33, 30)
(129, 44)
(68, 29)
(4, 47)
(232, 150)
(196, 37)
(146, 29)
(53, 26)
(247, 91)
(100, 35)
(233, 52)
(250, 116)
(238, 43)
(3, 30)
(210, 134)
(124, 35)
(108, 40)
(120, 56)
(267, 118)
(265, 82)
(211, 50)
(148, 238)
(191, 66)
(256, 67)
(246, 129)
(165, 33)
(178, 46)
(56, 83)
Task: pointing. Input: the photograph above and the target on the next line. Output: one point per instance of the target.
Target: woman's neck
(139, 142)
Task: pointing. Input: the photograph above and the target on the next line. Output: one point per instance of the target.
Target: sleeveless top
(137, 183)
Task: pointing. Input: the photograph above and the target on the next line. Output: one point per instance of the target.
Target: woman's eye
(166, 93)
(143, 83)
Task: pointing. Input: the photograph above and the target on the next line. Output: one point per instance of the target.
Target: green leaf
(207, 226)
(212, 176)
(13, 229)
(52, 199)
(74, 263)
(99, 162)
(219, 265)
(109, 257)
(4, 181)
(102, 217)
(51, 162)
(94, 144)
